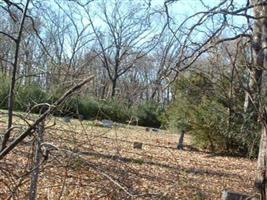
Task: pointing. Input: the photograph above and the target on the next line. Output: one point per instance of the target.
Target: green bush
(177, 116)
(115, 110)
(209, 126)
(149, 114)
(88, 108)
(91, 109)
(28, 96)
(215, 121)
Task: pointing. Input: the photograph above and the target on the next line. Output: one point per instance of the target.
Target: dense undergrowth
(201, 107)
(214, 116)
(83, 106)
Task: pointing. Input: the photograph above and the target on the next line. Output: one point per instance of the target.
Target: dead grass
(99, 163)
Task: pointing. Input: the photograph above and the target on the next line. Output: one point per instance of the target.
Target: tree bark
(37, 161)
(253, 93)
(260, 62)
(261, 175)
(11, 95)
(114, 85)
(181, 141)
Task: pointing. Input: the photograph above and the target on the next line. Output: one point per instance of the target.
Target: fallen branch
(50, 110)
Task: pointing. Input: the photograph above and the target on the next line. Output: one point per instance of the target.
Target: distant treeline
(86, 107)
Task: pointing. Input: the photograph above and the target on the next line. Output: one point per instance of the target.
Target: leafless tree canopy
(121, 50)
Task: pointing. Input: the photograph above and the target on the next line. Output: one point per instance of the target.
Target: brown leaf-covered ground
(100, 163)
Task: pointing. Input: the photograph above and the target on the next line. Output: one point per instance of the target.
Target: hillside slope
(100, 163)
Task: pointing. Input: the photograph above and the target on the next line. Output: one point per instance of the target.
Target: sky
(182, 9)
(179, 11)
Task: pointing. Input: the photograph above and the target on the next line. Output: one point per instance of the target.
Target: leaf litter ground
(100, 163)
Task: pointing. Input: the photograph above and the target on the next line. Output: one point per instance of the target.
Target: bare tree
(224, 30)
(127, 36)
(66, 36)
(17, 41)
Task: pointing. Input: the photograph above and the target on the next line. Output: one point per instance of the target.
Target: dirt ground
(90, 162)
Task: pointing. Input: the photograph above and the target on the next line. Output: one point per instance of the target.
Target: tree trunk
(254, 85)
(114, 85)
(43, 116)
(37, 161)
(260, 33)
(181, 141)
(103, 91)
(11, 95)
(261, 175)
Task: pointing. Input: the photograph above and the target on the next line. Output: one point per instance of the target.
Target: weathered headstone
(80, 117)
(107, 123)
(98, 123)
(137, 145)
(155, 130)
(230, 195)
(66, 119)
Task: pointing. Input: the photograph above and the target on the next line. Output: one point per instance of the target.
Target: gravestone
(98, 123)
(137, 145)
(107, 123)
(155, 130)
(230, 195)
(80, 117)
(66, 119)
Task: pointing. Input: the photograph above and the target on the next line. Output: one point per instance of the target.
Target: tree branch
(50, 110)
